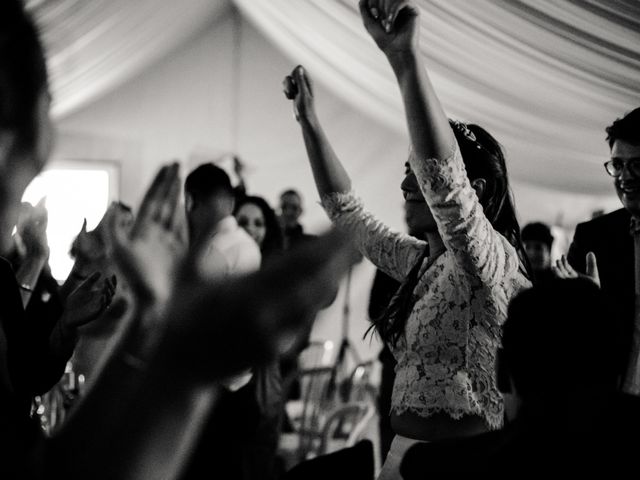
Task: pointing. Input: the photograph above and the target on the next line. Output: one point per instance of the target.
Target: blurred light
(327, 356)
(72, 195)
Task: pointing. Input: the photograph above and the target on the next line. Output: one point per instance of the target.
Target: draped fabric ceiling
(544, 76)
(94, 46)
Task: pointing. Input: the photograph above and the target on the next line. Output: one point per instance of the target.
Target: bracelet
(26, 287)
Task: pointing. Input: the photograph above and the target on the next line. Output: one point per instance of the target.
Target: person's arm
(148, 418)
(429, 130)
(240, 190)
(394, 252)
(153, 395)
(148, 421)
(157, 388)
(481, 252)
(328, 172)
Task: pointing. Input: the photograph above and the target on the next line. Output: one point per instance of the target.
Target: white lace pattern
(446, 357)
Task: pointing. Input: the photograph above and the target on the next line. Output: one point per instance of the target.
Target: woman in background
(259, 220)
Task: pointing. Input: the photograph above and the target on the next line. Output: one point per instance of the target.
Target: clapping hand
(119, 214)
(89, 251)
(562, 269)
(242, 321)
(298, 87)
(393, 24)
(93, 248)
(88, 301)
(220, 327)
(84, 305)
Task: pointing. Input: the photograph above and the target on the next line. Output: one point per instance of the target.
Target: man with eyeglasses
(615, 240)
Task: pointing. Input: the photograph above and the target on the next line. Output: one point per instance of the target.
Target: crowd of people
(185, 318)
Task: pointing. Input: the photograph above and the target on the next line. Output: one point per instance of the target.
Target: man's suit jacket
(609, 237)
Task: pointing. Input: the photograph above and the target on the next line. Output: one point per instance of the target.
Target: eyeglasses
(616, 166)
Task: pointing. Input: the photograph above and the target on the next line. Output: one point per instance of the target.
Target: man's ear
(479, 185)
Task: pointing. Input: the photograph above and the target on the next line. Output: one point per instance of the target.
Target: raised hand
(563, 269)
(31, 230)
(238, 166)
(393, 24)
(89, 251)
(31, 244)
(297, 87)
(150, 253)
(90, 254)
(93, 248)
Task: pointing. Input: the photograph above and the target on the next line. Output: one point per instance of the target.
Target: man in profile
(209, 203)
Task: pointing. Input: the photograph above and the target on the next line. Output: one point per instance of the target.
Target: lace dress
(446, 356)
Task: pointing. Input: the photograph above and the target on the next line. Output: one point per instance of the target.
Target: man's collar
(227, 224)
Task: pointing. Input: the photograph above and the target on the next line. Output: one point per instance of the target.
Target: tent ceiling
(545, 76)
(94, 46)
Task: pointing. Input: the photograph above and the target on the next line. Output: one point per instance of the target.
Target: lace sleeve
(481, 252)
(393, 252)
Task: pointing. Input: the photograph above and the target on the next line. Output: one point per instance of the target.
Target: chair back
(346, 426)
(318, 353)
(318, 400)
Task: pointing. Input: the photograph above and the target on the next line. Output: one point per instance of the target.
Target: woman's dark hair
(273, 242)
(23, 73)
(483, 158)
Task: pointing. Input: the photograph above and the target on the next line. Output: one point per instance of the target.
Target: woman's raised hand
(393, 24)
(297, 87)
